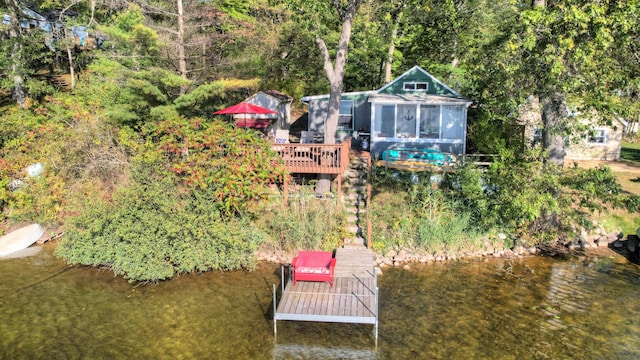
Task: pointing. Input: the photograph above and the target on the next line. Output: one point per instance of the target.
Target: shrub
(235, 165)
(153, 230)
(418, 217)
(307, 222)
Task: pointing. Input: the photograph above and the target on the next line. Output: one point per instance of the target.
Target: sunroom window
(406, 122)
(429, 122)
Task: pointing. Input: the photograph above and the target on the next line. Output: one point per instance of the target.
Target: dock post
(275, 330)
(282, 279)
(375, 282)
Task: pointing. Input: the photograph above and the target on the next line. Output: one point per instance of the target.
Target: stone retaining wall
(403, 257)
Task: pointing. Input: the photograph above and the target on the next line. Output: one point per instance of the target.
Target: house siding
(531, 118)
(416, 75)
(610, 150)
(362, 114)
(282, 107)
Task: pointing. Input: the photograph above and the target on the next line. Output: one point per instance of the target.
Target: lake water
(535, 308)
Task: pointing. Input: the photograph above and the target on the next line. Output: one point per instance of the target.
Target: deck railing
(315, 158)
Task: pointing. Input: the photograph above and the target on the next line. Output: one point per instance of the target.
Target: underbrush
(621, 220)
(408, 212)
(306, 222)
(520, 196)
(150, 232)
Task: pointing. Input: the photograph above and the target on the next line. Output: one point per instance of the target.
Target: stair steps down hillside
(354, 198)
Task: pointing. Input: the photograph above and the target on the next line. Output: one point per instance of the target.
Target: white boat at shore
(20, 239)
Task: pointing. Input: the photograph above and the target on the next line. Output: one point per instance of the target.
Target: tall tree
(16, 61)
(323, 17)
(567, 53)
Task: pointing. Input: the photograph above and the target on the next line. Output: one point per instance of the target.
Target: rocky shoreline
(404, 257)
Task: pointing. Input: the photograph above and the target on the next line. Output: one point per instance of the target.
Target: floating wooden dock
(353, 298)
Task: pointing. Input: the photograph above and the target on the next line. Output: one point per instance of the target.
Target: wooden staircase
(355, 181)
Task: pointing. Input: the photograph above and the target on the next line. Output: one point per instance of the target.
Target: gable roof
(417, 74)
(435, 89)
(278, 95)
(354, 94)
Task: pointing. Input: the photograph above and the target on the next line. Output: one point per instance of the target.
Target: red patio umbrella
(245, 108)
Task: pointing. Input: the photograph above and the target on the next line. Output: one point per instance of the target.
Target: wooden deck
(353, 298)
(315, 158)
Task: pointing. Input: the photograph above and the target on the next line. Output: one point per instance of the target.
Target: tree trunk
(335, 74)
(72, 74)
(182, 59)
(392, 49)
(553, 113)
(16, 56)
(18, 83)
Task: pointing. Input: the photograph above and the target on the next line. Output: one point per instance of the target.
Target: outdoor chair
(282, 136)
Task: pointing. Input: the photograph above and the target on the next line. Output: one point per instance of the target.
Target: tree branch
(326, 59)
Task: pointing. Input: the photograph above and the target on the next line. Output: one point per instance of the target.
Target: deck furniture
(282, 136)
(313, 266)
(307, 137)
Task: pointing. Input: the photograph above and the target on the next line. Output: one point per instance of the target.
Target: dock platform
(353, 298)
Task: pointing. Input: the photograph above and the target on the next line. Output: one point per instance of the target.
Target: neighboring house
(594, 142)
(273, 100)
(414, 110)
(600, 142)
(31, 20)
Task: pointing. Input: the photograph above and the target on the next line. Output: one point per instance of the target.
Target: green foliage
(306, 222)
(595, 188)
(152, 231)
(25, 139)
(235, 165)
(416, 215)
(129, 36)
(207, 98)
(25, 56)
(520, 195)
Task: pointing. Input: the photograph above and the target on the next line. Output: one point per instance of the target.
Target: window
(406, 122)
(598, 136)
(416, 86)
(429, 122)
(384, 124)
(345, 121)
(537, 135)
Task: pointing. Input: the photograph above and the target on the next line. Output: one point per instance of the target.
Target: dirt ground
(628, 174)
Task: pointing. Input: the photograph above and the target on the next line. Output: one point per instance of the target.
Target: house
(273, 100)
(598, 142)
(49, 22)
(413, 110)
(591, 140)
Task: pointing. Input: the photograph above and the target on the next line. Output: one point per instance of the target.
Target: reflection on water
(537, 308)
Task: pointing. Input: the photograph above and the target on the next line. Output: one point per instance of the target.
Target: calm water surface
(536, 308)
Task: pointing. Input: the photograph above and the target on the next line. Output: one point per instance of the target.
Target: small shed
(277, 101)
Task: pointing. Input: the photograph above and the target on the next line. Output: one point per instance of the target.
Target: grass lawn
(629, 177)
(630, 153)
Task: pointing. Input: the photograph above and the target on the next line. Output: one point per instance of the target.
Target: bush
(234, 165)
(152, 231)
(305, 223)
(419, 217)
